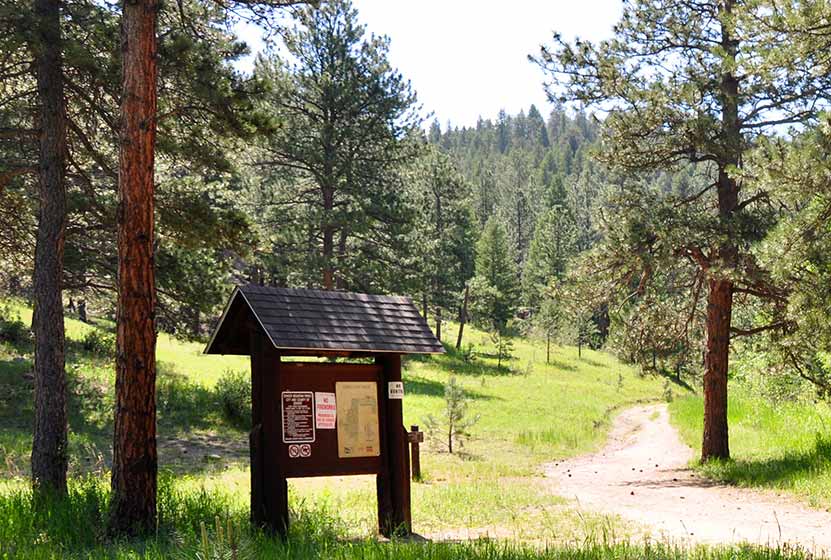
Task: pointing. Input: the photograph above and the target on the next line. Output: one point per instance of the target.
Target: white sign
(303, 450)
(325, 411)
(396, 389)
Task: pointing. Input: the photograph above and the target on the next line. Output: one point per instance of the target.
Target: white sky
(467, 58)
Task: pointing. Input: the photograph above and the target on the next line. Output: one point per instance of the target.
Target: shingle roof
(317, 320)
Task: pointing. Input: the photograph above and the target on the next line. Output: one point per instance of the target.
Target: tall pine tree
(694, 83)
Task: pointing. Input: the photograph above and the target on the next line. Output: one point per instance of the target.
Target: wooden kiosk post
(313, 418)
(269, 488)
(394, 480)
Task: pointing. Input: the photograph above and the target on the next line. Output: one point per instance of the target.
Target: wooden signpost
(324, 418)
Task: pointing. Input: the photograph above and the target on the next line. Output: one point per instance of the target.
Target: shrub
(12, 329)
(451, 429)
(234, 393)
(468, 353)
(504, 348)
(100, 343)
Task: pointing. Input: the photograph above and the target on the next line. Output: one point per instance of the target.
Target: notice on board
(357, 418)
(325, 411)
(395, 390)
(298, 417)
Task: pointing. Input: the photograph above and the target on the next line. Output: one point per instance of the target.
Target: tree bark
(438, 323)
(133, 506)
(49, 445)
(340, 281)
(328, 239)
(548, 347)
(463, 317)
(715, 444)
(719, 307)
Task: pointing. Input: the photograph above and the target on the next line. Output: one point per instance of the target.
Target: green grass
(530, 413)
(211, 524)
(782, 446)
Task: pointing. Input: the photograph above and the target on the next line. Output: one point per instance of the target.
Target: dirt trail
(642, 475)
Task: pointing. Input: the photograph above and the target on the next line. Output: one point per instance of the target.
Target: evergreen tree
(554, 243)
(133, 505)
(49, 446)
(495, 289)
(693, 83)
(334, 160)
(443, 237)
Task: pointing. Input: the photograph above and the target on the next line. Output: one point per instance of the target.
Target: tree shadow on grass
(193, 433)
(773, 472)
(563, 366)
(593, 363)
(415, 385)
(456, 362)
(677, 381)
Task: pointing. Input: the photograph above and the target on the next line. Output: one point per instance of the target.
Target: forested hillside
(671, 204)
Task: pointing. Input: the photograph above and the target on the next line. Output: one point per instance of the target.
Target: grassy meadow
(778, 445)
(530, 413)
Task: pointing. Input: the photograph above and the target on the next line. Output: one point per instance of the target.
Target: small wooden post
(393, 483)
(269, 488)
(415, 438)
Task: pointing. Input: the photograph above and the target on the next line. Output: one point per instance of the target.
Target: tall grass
(782, 445)
(197, 524)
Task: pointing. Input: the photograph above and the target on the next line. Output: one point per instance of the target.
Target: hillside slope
(529, 413)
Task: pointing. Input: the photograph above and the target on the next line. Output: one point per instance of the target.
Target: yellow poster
(357, 414)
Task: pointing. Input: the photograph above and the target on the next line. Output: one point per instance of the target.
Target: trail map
(357, 414)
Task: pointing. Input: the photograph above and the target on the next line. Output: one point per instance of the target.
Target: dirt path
(642, 475)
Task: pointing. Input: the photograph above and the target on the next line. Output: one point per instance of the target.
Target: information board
(298, 417)
(357, 412)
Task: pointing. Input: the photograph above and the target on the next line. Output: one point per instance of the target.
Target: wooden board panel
(320, 458)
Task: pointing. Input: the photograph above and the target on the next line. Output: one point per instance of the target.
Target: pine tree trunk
(715, 442)
(463, 318)
(547, 347)
(49, 445)
(719, 306)
(340, 281)
(196, 323)
(133, 506)
(438, 323)
(328, 239)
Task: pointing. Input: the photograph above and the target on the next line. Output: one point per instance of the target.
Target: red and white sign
(325, 411)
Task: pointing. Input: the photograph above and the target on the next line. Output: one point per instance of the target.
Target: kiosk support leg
(394, 481)
(269, 490)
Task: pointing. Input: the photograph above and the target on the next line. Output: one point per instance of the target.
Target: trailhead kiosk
(313, 418)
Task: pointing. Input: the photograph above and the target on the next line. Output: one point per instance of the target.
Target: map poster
(357, 417)
(298, 417)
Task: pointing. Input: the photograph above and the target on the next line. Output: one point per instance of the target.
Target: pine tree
(554, 243)
(344, 116)
(133, 506)
(443, 239)
(49, 446)
(693, 83)
(495, 289)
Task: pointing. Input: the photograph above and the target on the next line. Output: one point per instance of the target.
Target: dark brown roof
(325, 321)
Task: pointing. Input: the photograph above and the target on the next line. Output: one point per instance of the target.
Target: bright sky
(467, 58)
